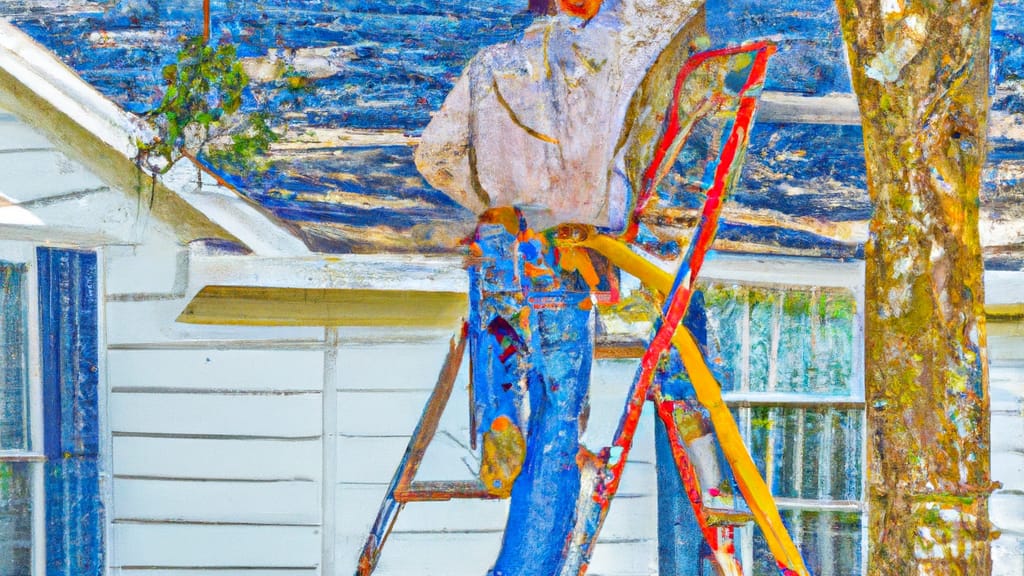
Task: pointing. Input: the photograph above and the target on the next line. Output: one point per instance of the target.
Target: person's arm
(445, 153)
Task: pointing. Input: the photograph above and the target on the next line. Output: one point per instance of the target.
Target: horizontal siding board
(228, 370)
(154, 322)
(472, 554)
(216, 414)
(383, 414)
(16, 135)
(1006, 510)
(402, 365)
(428, 554)
(625, 558)
(1006, 382)
(209, 546)
(221, 572)
(1008, 466)
(216, 459)
(153, 268)
(374, 460)
(40, 174)
(289, 503)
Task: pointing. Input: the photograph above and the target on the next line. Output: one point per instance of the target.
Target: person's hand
(504, 215)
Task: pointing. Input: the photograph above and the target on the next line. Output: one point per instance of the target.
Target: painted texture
(15, 477)
(13, 358)
(384, 67)
(921, 76)
(75, 522)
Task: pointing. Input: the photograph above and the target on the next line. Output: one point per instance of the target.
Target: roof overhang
(45, 93)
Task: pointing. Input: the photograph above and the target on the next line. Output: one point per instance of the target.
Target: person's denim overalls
(531, 343)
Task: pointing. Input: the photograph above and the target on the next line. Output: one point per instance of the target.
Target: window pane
(794, 368)
(13, 358)
(762, 337)
(809, 453)
(15, 519)
(833, 341)
(726, 311)
(798, 339)
(829, 541)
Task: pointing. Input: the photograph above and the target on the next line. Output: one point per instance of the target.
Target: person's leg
(543, 506)
(498, 350)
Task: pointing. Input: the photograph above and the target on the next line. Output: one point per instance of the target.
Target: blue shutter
(68, 309)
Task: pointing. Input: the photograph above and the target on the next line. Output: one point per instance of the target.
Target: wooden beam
(251, 306)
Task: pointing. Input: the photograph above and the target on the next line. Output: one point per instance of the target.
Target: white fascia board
(447, 274)
(394, 272)
(44, 74)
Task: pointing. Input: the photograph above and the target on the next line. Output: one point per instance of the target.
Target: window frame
(19, 253)
(784, 273)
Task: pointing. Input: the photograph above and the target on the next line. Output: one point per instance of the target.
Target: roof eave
(39, 87)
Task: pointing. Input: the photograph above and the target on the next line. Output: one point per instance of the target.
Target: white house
(251, 400)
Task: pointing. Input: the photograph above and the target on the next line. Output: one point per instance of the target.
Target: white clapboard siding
(289, 416)
(372, 459)
(393, 365)
(16, 135)
(382, 413)
(472, 554)
(1006, 385)
(34, 174)
(213, 546)
(281, 502)
(159, 267)
(135, 323)
(111, 211)
(454, 554)
(227, 370)
(630, 557)
(219, 572)
(234, 459)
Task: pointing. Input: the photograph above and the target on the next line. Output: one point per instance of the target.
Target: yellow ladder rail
(751, 484)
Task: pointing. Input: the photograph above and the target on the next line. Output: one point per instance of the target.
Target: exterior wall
(385, 380)
(215, 432)
(219, 460)
(48, 197)
(1006, 360)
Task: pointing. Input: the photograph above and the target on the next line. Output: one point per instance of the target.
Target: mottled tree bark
(920, 71)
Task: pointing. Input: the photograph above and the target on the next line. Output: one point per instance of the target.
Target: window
(20, 457)
(787, 356)
(51, 513)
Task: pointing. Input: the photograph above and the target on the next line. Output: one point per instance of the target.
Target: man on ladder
(532, 136)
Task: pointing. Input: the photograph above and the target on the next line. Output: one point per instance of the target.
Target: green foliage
(200, 111)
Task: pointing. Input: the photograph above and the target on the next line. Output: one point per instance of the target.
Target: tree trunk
(920, 71)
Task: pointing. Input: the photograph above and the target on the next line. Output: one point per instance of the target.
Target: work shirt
(537, 123)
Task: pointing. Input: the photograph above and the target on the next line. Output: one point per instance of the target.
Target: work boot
(504, 450)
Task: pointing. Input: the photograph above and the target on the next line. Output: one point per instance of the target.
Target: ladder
(722, 85)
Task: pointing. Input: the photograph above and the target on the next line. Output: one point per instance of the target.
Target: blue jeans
(531, 344)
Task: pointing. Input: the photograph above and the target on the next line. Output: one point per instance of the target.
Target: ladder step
(720, 517)
(441, 491)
